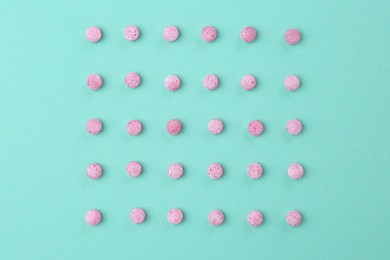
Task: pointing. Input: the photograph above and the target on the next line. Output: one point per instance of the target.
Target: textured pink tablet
(94, 81)
(210, 82)
(134, 127)
(248, 82)
(291, 83)
(215, 126)
(175, 216)
(254, 171)
(216, 217)
(173, 127)
(208, 34)
(131, 33)
(295, 171)
(175, 170)
(255, 218)
(292, 36)
(132, 80)
(172, 83)
(293, 218)
(94, 126)
(137, 215)
(133, 169)
(294, 127)
(248, 34)
(215, 171)
(93, 34)
(170, 33)
(94, 170)
(255, 128)
(93, 217)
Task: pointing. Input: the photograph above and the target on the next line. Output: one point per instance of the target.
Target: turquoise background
(343, 103)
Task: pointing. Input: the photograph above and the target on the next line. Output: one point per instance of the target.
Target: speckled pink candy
(134, 127)
(172, 83)
(175, 216)
(173, 127)
(137, 215)
(175, 170)
(215, 126)
(94, 81)
(216, 217)
(255, 128)
(255, 218)
(215, 171)
(94, 170)
(291, 83)
(131, 33)
(208, 34)
(93, 34)
(94, 126)
(293, 218)
(248, 34)
(248, 82)
(170, 33)
(254, 171)
(292, 36)
(295, 171)
(133, 169)
(294, 127)
(132, 80)
(210, 82)
(93, 217)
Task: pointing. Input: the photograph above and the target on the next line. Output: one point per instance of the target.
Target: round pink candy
(94, 170)
(132, 80)
(292, 36)
(173, 127)
(210, 82)
(248, 82)
(170, 33)
(255, 218)
(137, 215)
(291, 83)
(215, 171)
(255, 128)
(175, 216)
(175, 171)
(208, 34)
(294, 127)
(215, 126)
(254, 171)
(133, 169)
(248, 34)
(295, 171)
(131, 33)
(293, 218)
(93, 34)
(134, 127)
(216, 217)
(172, 83)
(94, 81)
(94, 126)
(93, 217)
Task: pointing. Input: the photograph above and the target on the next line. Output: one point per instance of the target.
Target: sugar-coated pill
(294, 127)
(291, 83)
(94, 81)
(172, 82)
(292, 36)
(254, 170)
(216, 217)
(94, 170)
(132, 80)
(94, 126)
(173, 127)
(255, 127)
(248, 34)
(295, 171)
(210, 82)
(93, 217)
(215, 126)
(137, 215)
(93, 34)
(293, 218)
(208, 34)
(255, 218)
(175, 216)
(170, 33)
(215, 171)
(134, 127)
(131, 33)
(248, 82)
(134, 169)
(175, 170)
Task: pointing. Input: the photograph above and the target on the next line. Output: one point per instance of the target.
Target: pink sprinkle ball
(215, 171)
(292, 36)
(255, 128)
(170, 33)
(133, 169)
(293, 218)
(132, 80)
(94, 126)
(291, 83)
(134, 127)
(216, 217)
(175, 170)
(172, 83)
(131, 33)
(210, 82)
(93, 217)
(94, 81)
(255, 218)
(173, 127)
(137, 215)
(294, 127)
(248, 34)
(295, 171)
(215, 126)
(93, 34)
(94, 170)
(208, 34)
(175, 216)
(248, 82)
(254, 171)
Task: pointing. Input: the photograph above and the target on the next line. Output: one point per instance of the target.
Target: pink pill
(248, 34)
(175, 171)
(210, 82)
(294, 127)
(170, 33)
(133, 169)
(172, 83)
(132, 80)
(175, 216)
(216, 217)
(295, 171)
(215, 126)
(215, 171)
(292, 36)
(293, 218)
(93, 217)
(208, 34)
(173, 127)
(94, 81)
(255, 128)
(255, 218)
(134, 127)
(131, 33)
(248, 82)
(254, 171)
(137, 215)
(94, 170)
(291, 83)
(94, 126)
(93, 34)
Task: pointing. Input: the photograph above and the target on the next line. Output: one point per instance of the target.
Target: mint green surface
(343, 103)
